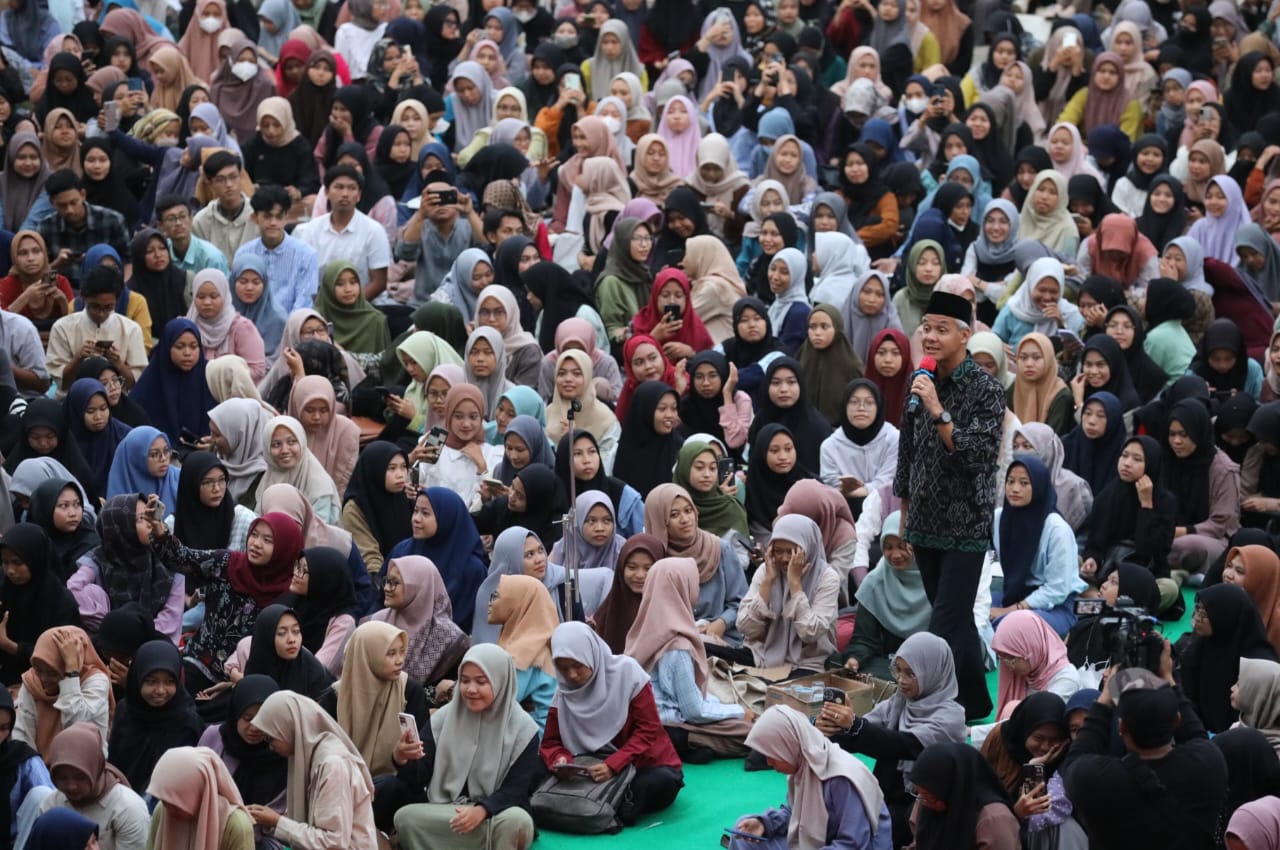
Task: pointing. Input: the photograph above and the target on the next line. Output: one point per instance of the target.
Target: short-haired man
(292, 266)
(97, 330)
(434, 237)
(77, 225)
(20, 342)
(345, 233)
(192, 254)
(948, 455)
(226, 221)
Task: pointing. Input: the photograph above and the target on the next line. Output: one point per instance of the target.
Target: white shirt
(70, 332)
(458, 472)
(363, 242)
(355, 44)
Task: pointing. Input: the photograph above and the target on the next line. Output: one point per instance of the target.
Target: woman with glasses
(1032, 658)
(922, 712)
(123, 408)
(496, 307)
(1225, 627)
(417, 602)
(143, 464)
(206, 516)
(862, 454)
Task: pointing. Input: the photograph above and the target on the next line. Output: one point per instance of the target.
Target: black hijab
(940, 164)
(1043, 708)
(441, 50)
(766, 489)
(125, 410)
(1168, 300)
(1264, 427)
(991, 152)
(1243, 103)
(1222, 335)
(37, 606)
(1197, 44)
(1114, 515)
(111, 192)
(165, 290)
(329, 594)
(304, 674)
(13, 754)
(672, 24)
(493, 162)
(1139, 178)
(1085, 188)
(1119, 384)
(1188, 478)
(959, 774)
(562, 296)
(67, 547)
(701, 415)
(48, 413)
(375, 188)
(196, 525)
(742, 353)
(807, 425)
(396, 175)
(1162, 228)
(863, 198)
(387, 514)
(1034, 156)
(310, 103)
(1235, 414)
(1253, 770)
(861, 436)
(684, 201)
(142, 733)
(260, 774)
(123, 632)
(1107, 291)
(1146, 375)
(608, 484)
(1211, 665)
(646, 458)
(1153, 418)
(537, 95)
(80, 101)
(547, 501)
(359, 102)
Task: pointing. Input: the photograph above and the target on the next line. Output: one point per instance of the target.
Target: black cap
(1147, 705)
(437, 176)
(947, 304)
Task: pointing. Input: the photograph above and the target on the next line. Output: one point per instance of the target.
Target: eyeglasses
(300, 569)
(642, 239)
(116, 381)
(497, 313)
(214, 483)
(178, 218)
(157, 454)
(437, 395)
(862, 403)
(902, 675)
(226, 179)
(390, 584)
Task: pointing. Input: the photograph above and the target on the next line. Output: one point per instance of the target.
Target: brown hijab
(703, 548)
(665, 621)
(1031, 400)
(528, 617)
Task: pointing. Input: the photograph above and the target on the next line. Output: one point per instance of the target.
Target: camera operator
(1167, 789)
(1127, 586)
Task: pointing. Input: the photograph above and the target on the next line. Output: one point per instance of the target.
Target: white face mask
(245, 70)
(613, 124)
(166, 142)
(524, 15)
(211, 25)
(916, 104)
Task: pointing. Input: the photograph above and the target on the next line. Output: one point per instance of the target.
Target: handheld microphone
(927, 368)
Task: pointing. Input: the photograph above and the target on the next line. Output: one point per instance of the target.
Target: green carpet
(716, 795)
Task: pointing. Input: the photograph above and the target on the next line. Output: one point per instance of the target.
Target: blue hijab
(265, 314)
(1095, 460)
(775, 124)
(416, 184)
(456, 550)
(172, 398)
(880, 132)
(92, 259)
(97, 448)
(1022, 528)
(60, 829)
(528, 429)
(129, 473)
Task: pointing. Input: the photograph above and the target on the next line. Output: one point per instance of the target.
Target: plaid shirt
(101, 225)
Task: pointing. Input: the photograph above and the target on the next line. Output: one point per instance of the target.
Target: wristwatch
(943, 418)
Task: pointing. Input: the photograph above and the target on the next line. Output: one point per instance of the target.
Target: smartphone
(1219, 42)
(103, 344)
(436, 436)
(157, 511)
(134, 84)
(675, 256)
(725, 467)
(384, 391)
(51, 279)
(110, 116)
(672, 312)
(728, 75)
(772, 78)
(1070, 39)
(188, 437)
(409, 723)
(730, 834)
(1207, 113)
(415, 477)
(494, 483)
(1089, 607)
(573, 81)
(447, 197)
(1032, 775)
(833, 695)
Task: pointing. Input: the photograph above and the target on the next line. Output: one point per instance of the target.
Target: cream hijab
(309, 476)
(475, 750)
(368, 705)
(595, 416)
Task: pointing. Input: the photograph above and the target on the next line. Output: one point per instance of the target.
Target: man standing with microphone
(948, 457)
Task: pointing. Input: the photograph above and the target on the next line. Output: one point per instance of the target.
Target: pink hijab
(1024, 635)
(682, 148)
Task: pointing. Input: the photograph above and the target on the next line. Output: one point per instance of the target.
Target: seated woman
(1133, 511)
(274, 649)
(580, 334)
(1032, 658)
(483, 746)
(87, 784)
(1093, 447)
(417, 602)
(375, 510)
(605, 703)
(333, 438)
(330, 793)
(1257, 569)
(1255, 696)
(579, 455)
(143, 464)
(1167, 307)
(33, 595)
(1039, 305)
(207, 516)
(1183, 261)
(442, 532)
(289, 461)
(1044, 216)
(595, 540)
(222, 329)
(157, 714)
(1038, 394)
(960, 801)
(126, 568)
(322, 596)
(892, 606)
(50, 699)
(671, 517)
(1036, 549)
(771, 472)
(1225, 364)
(1205, 483)
(1074, 496)
(788, 615)
(863, 454)
(832, 798)
(574, 381)
(192, 784)
(524, 442)
(259, 774)
(46, 434)
(1103, 369)
(1036, 734)
(1225, 628)
(367, 701)
(524, 609)
(27, 772)
(1121, 252)
(535, 499)
(680, 331)
(1125, 325)
(60, 508)
(668, 644)
(698, 472)
(921, 713)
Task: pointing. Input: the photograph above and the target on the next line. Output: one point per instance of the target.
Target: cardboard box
(862, 692)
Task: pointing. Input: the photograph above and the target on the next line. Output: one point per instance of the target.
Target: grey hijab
(782, 644)
(34, 471)
(592, 715)
(934, 716)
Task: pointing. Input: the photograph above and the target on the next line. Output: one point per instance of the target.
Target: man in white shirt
(345, 233)
(97, 330)
(21, 341)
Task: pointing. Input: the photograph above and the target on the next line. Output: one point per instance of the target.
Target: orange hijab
(48, 718)
(528, 617)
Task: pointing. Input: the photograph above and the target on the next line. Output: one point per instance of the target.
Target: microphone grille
(927, 363)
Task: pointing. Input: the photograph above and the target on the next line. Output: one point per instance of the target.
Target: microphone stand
(568, 530)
